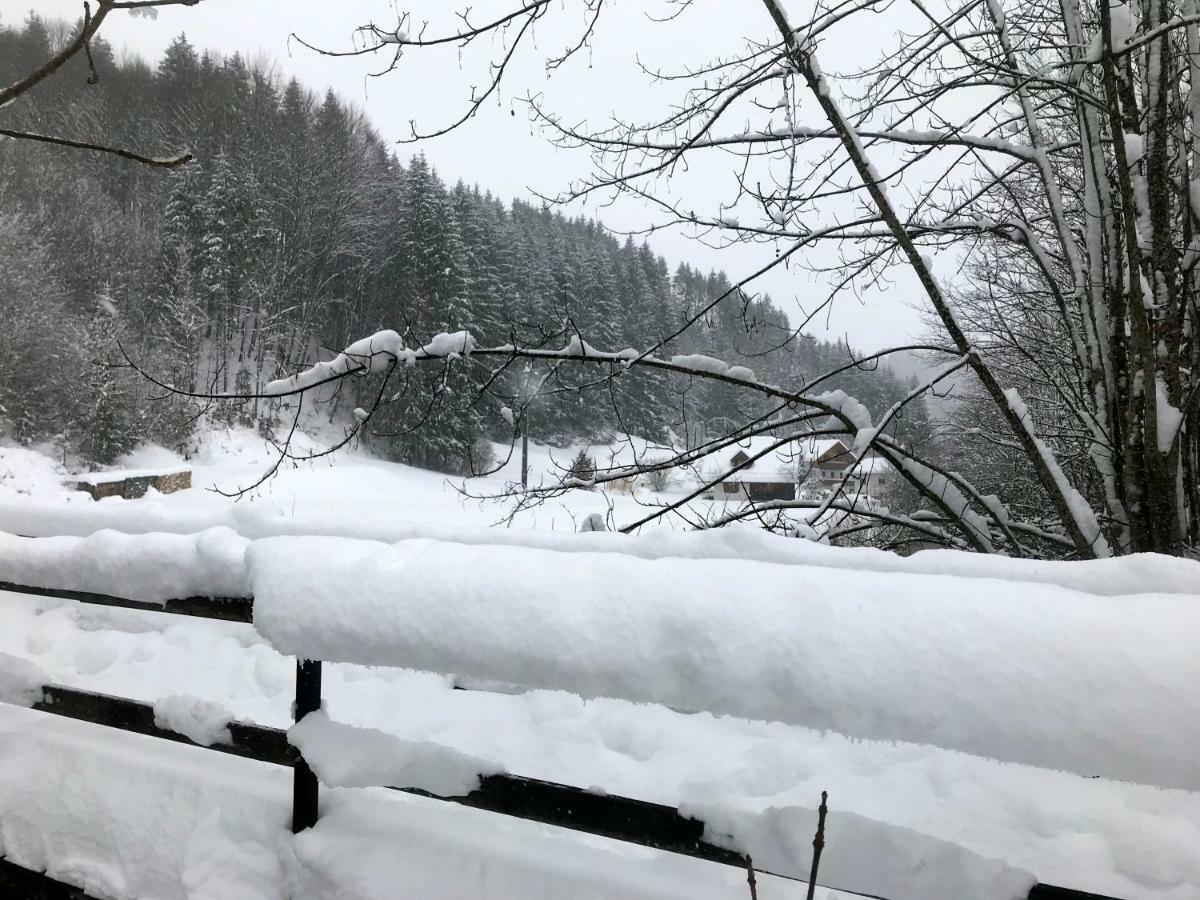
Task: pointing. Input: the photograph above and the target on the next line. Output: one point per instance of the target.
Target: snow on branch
(376, 353)
(1081, 512)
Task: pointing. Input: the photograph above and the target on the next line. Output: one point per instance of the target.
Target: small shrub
(583, 467)
(483, 456)
(659, 479)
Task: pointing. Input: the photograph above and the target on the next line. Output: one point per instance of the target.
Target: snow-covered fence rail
(321, 597)
(621, 818)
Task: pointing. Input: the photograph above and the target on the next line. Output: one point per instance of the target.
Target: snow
(1170, 418)
(1123, 22)
(107, 475)
(203, 722)
(126, 816)
(953, 498)
(450, 343)
(967, 665)
(996, 8)
(364, 498)
(1081, 511)
(202, 824)
(25, 472)
(21, 681)
(710, 365)
(901, 864)
(577, 346)
(370, 354)
(698, 362)
(348, 756)
(855, 412)
(374, 353)
(1124, 839)
(1134, 149)
(149, 567)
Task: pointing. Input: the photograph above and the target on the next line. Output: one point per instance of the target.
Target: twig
(750, 878)
(818, 846)
(165, 163)
(93, 75)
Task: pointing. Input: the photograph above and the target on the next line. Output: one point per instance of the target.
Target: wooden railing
(620, 818)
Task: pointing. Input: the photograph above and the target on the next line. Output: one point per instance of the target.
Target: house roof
(874, 465)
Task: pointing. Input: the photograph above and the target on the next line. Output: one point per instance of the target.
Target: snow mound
(126, 816)
(1020, 672)
(860, 854)
(144, 567)
(347, 756)
(204, 722)
(25, 473)
(1139, 573)
(21, 681)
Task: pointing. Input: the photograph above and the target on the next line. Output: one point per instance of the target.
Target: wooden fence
(619, 818)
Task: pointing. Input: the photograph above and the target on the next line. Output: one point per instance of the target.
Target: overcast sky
(498, 149)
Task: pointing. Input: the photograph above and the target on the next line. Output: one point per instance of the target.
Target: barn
(768, 478)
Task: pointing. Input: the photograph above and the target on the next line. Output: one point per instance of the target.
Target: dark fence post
(304, 781)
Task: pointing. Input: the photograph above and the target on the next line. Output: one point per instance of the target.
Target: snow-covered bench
(131, 484)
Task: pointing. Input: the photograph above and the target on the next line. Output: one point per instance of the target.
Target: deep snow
(1130, 840)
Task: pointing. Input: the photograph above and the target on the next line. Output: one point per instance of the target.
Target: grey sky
(497, 149)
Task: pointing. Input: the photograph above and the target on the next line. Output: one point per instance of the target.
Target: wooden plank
(620, 818)
(1052, 892)
(225, 609)
(564, 806)
(247, 739)
(305, 787)
(18, 882)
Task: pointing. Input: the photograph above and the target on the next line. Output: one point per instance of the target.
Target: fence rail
(620, 818)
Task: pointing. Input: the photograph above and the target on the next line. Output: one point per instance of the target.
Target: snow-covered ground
(349, 486)
(1132, 839)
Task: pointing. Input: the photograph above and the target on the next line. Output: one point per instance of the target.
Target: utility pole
(524, 456)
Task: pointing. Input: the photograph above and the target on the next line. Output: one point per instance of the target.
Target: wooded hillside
(298, 229)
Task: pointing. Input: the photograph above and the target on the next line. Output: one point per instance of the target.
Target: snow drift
(145, 567)
(1018, 671)
(1135, 574)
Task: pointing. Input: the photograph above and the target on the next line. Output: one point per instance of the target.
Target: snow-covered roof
(873, 465)
(777, 467)
(814, 447)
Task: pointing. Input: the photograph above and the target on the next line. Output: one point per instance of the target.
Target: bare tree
(81, 42)
(1048, 147)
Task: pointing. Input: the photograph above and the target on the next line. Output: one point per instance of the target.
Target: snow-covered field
(957, 710)
(329, 492)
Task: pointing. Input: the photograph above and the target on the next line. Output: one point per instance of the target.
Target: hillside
(298, 229)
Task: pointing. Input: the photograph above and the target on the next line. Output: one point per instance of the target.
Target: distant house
(875, 474)
(827, 460)
(814, 463)
(767, 478)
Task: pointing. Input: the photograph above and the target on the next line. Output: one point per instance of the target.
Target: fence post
(304, 781)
